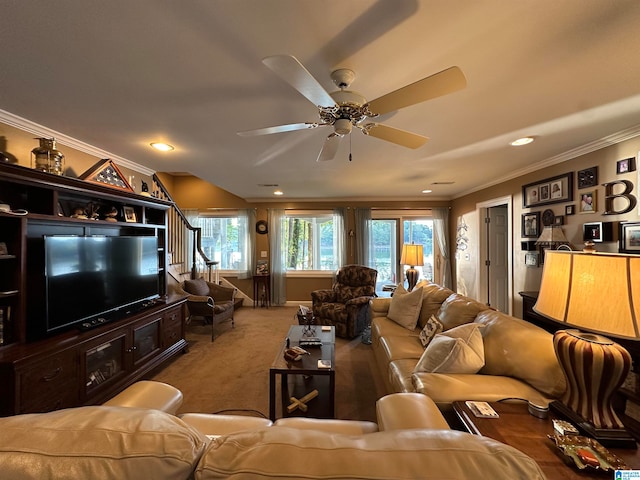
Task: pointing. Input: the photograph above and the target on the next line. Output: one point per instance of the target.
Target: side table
(518, 428)
(262, 290)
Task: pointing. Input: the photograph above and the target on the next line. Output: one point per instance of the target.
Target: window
(310, 241)
(389, 231)
(225, 239)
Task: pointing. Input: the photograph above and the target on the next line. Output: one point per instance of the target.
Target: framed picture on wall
(531, 225)
(531, 259)
(588, 202)
(629, 237)
(551, 190)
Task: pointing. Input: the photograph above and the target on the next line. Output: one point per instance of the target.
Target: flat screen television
(97, 278)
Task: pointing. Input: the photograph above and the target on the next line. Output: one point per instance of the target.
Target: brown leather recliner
(213, 302)
(345, 305)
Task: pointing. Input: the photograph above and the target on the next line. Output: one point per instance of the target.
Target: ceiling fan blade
(295, 74)
(447, 81)
(330, 148)
(278, 129)
(394, 135)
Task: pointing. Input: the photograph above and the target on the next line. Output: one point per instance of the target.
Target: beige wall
(528, 278)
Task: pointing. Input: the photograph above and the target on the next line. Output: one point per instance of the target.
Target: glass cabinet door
(146, 341)
(104, 362)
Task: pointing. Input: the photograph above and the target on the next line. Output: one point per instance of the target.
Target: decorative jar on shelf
(47, 158)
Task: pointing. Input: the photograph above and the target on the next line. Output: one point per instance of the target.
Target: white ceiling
(120, 74)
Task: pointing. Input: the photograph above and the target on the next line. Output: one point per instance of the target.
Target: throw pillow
(405, 307)
(459, 350)
(458, 310)
(431, 328)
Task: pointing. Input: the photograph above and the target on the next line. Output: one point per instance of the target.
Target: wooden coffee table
(521, 430)
(305, 376)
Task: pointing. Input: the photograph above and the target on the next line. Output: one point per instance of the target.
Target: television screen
(91, 277)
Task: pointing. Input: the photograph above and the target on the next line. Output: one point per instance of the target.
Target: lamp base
(412, 278)
(608, 437)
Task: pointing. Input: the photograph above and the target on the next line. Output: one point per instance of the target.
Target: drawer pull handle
(52, 375)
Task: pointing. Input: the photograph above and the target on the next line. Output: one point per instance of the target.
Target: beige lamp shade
(598, 292)
(412, 255)
(552, 236)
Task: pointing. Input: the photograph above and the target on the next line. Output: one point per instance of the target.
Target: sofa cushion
(405, 307)
(458, 350)
(98, 442)
(446, 388)
(196, 286)
(458, 310)
(400, 455)
(431, 328)
(401, 346)
(432, 298)
(519, 349)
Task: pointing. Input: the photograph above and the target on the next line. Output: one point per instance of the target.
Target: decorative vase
(47, 158)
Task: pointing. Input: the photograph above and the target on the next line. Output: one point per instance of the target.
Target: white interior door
(497, 255)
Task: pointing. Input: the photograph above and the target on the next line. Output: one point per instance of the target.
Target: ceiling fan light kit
(345, 109)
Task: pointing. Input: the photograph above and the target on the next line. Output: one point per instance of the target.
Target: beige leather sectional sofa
(134, 437)
(519, 359)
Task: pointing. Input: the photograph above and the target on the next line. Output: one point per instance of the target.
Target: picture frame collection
(560, 189)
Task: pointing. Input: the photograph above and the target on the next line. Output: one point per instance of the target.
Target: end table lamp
(600, 294)
(412, 255)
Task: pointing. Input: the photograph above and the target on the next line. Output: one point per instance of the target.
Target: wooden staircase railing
(184, 240)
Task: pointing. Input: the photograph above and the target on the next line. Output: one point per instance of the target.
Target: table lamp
(552, 237)
(598, 294)
(412, 255)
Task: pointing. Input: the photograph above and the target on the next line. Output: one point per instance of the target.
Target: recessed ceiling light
(278, 192)
(163, 147)
(522, 141)
(427, 191)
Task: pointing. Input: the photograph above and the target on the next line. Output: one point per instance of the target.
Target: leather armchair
(213, 302)
(346, 304)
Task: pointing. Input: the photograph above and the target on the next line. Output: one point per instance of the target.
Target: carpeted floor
(232, 373)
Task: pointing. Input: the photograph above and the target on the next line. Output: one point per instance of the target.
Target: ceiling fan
(345, 109)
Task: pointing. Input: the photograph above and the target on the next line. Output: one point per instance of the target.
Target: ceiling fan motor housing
(342, 126)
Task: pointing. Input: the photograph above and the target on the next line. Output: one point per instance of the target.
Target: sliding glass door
(389, 231)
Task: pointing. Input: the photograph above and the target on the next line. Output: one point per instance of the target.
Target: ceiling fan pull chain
(350, 158)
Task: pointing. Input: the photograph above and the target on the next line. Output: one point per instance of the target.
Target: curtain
(441, 229)
(363, 237)
(249, 245)
(339, 235)
(278, 271)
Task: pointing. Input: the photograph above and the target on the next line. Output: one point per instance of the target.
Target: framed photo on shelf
(588, 202)
(626, 165)
(629, 237)
(129, 214)
(551, 190)
(531, 259)
(531, 225)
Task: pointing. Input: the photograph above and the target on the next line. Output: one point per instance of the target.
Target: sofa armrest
(404, 411)
(149, 394)
(379, 306)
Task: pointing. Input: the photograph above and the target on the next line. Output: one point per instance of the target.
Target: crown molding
(609, 140)
(62, 139)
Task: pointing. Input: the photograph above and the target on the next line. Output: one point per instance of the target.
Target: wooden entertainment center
(75, 366)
